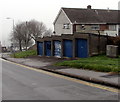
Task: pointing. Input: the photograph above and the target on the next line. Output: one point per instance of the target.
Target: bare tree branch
(36, 29)
(48, 33)
(25, 32)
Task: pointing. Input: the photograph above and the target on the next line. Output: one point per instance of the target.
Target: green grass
(24, 54)
(97, 63)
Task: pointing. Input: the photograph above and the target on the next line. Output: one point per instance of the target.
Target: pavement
(46, 63)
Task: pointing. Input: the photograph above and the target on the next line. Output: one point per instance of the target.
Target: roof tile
(92, 15)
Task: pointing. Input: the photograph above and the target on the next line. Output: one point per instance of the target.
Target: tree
(16, 36)
(26, 34)
(21, 36)
(48, 33)
(36, 29)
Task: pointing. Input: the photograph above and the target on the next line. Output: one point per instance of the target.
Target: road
(23, 83)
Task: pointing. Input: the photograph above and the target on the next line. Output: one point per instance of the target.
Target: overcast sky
(41, 10)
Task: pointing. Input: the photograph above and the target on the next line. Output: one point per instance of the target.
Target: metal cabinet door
(68, 48)
(57, 48)
(40, 48)
(81, 48)
(48, 48)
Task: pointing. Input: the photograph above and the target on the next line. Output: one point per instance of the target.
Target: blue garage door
(68, 48)
(81, 48)
(40, 48)
(57, 48)
(48, 48)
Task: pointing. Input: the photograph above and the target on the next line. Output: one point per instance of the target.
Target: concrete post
(52, 48)
(62, 48)
(43, 48)
(74, 48)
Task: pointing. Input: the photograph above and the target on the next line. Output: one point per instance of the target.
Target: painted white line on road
(69, 78)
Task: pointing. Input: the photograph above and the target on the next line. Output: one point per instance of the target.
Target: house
(79, 20)
(80, 33)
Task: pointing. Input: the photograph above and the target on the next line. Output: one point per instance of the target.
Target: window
(112, 27)
(95, 27)
(104, 27)
(66, 26)
(80, 28)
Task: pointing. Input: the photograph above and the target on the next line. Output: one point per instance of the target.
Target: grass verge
(97, 63)
(24, 54)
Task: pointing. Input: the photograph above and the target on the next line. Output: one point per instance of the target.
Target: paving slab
(92, 74)
(30, 62)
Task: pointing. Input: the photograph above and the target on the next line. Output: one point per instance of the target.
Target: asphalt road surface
(21, 83)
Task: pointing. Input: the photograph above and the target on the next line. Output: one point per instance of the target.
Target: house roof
(92, 16)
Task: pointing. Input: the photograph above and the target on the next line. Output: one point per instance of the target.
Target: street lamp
(12, 21)
(13, 36)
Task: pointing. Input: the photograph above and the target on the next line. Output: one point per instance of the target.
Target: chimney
(89, 7)
(108, 9)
